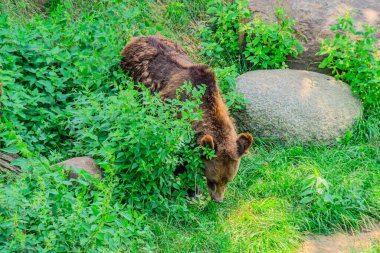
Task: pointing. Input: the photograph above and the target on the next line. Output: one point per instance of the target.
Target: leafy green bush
(220, 36)
(226, 80)
(235, 42)
(9, 139)
(62, 94)
(40, 210)
(353, 57)
(143, 137)
(269, 44)
(45, 65)
(231, 35)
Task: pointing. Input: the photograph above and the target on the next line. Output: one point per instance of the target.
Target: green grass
(251, 225)
(262, 210)
(20, 11)
(375, 248)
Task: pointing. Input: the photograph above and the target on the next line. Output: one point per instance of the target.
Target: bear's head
(222, 169)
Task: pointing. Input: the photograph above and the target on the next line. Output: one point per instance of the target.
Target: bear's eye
(211, 184)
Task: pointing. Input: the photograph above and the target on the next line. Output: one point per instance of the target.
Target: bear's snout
(216, 190)
(216, 200)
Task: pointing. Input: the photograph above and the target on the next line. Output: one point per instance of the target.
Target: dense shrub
(41, 211)
(353, 56)
(45, 65)
(236, 42)
(220, 36)
(227, 83)
(232, 36)
(10, 141)
(65, 97)
(143, 137)
(269, 44)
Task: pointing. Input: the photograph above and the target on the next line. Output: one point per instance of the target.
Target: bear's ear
(208, 141)
(244, 142)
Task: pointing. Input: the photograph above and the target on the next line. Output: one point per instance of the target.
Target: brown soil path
(368, 241)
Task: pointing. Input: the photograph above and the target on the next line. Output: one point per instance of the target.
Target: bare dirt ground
(368, 241)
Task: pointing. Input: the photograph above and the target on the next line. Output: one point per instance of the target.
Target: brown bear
(163, 66)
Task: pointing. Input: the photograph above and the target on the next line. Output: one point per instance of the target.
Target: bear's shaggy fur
(163, 66)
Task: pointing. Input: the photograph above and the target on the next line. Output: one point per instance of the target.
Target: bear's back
(156, 61)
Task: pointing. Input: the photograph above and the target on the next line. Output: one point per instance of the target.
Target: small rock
(296, 106)
(82, 163)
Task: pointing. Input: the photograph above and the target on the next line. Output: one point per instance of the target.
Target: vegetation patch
(266, 221)
(353, 57)
(63, 95)
(232, 35)
(144, 142)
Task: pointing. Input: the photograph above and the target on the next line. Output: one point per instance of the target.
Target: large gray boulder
(314, 19)
(296, 106)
